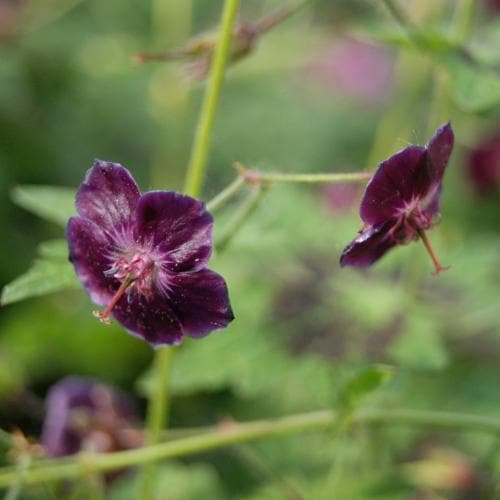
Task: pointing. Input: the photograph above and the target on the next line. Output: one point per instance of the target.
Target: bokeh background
(337, 87)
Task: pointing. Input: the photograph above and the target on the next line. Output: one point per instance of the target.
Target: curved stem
(234, 433)
(220, 199)
(199, 152)
(240, 217)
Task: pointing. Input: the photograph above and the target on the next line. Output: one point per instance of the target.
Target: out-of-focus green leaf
(50, 272)
(420, 345)
(474, 87)
(175, 481)
(431, 41)
(53, 203)
(362, 383)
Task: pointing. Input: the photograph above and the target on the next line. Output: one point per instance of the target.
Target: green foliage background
(69, 93)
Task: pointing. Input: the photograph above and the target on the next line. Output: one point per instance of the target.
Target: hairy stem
(234, 433)
(226, 194)
(240, 217)
(201, 144)
(315, 178)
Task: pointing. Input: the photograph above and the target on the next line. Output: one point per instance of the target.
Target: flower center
(136, 274)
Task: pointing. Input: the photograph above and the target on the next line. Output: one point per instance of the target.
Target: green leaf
(363, 383)
(420, 346)
(52, 203)
(182, 482)
(50, 272)
(474, 87)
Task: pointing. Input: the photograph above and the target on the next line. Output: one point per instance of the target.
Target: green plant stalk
(314, 178)
(158, 402)
(201, 144)
(240, 217)
(235, 433)
(226, 194)
(463, 20)
(156, 418)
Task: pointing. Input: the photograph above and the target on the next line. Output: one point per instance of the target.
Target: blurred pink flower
(341, 198)
(356, 69)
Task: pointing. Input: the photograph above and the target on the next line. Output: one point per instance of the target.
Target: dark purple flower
(144, 258)
(84, 414)
(484, 166)
(401, 201)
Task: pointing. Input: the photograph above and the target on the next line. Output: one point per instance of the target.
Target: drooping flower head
(401, 201)
(84, 414)
(484, 166)
(144, 258)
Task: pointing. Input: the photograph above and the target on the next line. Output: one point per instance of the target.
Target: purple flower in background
(84, 414)
(355, 69)
(401, 201)
(484, 166)
(143, 257)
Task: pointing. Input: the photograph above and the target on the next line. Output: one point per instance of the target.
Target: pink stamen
(104, 315)
(430, 251)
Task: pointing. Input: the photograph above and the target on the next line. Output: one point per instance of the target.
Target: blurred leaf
(474, 88)
(362, 384)
(53, 203)
(175, 481)
(420, 345)
(430, 41)
(51, 272)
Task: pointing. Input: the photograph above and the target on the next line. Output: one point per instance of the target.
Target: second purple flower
(401, 202)
(143, 257)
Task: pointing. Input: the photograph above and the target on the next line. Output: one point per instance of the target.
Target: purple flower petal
(150, 318)
(88, 250)
(76, 408)
(396, 183)
(58, 438)
(178, 226)
(439, 151)
(108, 196)
(369, 246)
(201, 302)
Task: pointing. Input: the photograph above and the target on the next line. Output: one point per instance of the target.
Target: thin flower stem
(235, 433)
(240, 217)
(269, 22)
(403, 20)
(201, 145)
(226, 194)
(158, 410)
(315, 178)
(159, 399)
(463, 19)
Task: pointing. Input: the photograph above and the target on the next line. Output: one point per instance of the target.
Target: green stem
(199, 152)
(218, 437)
(157, 415)
(314, 178)
(463, 20)
(227, 193)
(158, 403)
(240, 217)
(402, 19)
